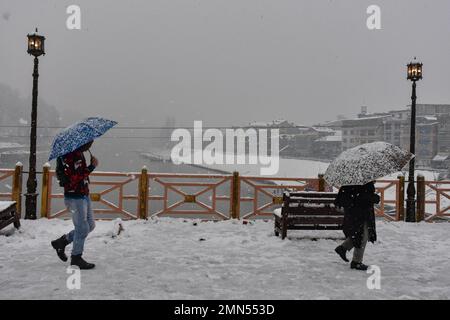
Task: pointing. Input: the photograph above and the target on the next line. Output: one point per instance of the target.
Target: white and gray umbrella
(365, 163)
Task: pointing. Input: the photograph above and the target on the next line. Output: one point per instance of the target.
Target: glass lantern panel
(37, 44)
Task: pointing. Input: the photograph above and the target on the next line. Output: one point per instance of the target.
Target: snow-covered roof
(441, 157)
(331, 138)
(332, 123)
(269, 123)
(337, 137)
(369, 118)
(324, 129)
(9, 145)
(282, 121)
(429, 118)
(427, 124)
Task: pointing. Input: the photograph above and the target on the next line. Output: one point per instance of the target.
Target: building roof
(337, 137)
(429, 118)
(428, 124)
(369, 118)
(10, 145)
(364, 121)
(272, 123)
(441, 157)
(333, 123)
(324, 129)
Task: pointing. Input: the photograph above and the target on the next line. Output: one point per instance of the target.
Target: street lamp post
(35, 48)
(414, 74)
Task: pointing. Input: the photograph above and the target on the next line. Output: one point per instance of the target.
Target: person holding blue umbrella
(73, 174)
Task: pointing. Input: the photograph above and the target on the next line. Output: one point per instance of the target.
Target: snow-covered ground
(166, 259)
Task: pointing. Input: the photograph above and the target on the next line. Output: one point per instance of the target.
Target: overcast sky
(227, 61)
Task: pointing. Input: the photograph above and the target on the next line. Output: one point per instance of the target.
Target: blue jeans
(83, 220)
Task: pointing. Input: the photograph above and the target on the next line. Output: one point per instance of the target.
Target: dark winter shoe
(80, 262)
(60, 245)
(340, 250)
(358, 266)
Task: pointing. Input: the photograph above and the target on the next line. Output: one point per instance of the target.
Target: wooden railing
(6, 174)
(107, 193)
(142, 195)
(180, 196)
(433, 199)
(391, 208)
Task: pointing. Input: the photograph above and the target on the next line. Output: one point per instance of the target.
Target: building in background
(443, 132)
(328, 147)
(432, 109)
(326, 141)
(441, 161)
(365, 129)
(394, 127)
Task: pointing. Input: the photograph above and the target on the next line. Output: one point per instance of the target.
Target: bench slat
(309, 200)
(309, 194)
(294, 211)
(8, 215)
(316, 227)
(315, 220)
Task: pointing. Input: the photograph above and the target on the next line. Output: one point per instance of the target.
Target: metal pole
(411, 191)
(31, 195)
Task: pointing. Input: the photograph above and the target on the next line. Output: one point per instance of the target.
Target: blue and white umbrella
(78, 134)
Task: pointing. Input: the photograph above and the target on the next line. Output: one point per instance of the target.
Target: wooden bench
(9, 214)
(308, 211)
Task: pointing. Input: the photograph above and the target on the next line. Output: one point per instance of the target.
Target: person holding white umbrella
(359, 221)
(354, 171)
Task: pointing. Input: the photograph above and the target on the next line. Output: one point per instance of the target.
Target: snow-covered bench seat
(9, 214)
(307, 211)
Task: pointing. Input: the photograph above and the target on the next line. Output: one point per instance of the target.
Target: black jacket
(358, 203)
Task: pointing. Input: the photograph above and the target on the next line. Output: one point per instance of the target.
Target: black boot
(80, 262)
(341, 251)
(358, 266)
(60, 245)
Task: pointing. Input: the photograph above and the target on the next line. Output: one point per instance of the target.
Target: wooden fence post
(45, 190)
(235, 196)
(17, 187)
(420, 211)
(143, 194)
(321, 183)
(401, 198)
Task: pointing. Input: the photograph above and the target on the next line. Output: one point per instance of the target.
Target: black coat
(358, 202)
